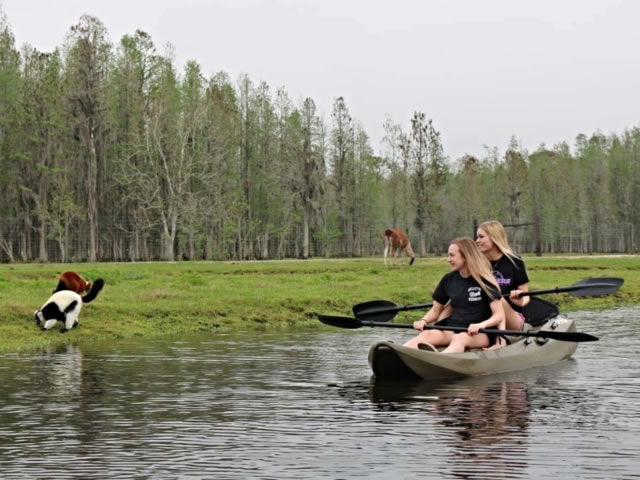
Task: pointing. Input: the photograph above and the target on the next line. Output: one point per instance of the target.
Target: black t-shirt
(469, 301)
(510, 275)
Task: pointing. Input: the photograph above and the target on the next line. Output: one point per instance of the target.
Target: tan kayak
(389, 360)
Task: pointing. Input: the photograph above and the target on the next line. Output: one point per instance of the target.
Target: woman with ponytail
(474, 298)
(509, 271)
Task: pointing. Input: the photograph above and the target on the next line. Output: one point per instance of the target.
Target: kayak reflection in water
(490, 428)
(474, 296)
(482, 425)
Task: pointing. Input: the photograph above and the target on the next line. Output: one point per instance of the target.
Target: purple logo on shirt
(500, 279)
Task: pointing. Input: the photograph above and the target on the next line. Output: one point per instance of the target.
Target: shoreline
(157, 299)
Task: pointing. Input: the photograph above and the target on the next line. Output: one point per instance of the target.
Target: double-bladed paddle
(384, 310)
(348, 322)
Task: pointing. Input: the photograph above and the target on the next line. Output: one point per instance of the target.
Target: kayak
(547, 338)
(389, 360)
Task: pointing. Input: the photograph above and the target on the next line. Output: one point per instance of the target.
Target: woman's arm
(430, 317)
(497, 316)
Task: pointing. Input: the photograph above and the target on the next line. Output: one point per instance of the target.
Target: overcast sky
(483, 70)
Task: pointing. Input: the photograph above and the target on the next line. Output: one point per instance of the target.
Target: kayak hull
(392, 361)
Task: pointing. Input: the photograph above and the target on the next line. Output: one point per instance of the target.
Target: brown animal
(395, 242)
(74, 282)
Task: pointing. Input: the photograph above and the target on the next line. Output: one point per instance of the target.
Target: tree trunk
(265, 244)
(423, 245)
(305, 232)
(168, 239)
(25, 241)
(192, 245)
(7, 246)
(42, 243)
(92, 203)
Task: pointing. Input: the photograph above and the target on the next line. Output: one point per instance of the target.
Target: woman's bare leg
(512, 321)
(437, 338)
(461, 341)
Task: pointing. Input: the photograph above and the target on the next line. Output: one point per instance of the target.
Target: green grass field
(150, 299)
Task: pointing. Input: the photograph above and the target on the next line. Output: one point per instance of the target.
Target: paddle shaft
(489, 331)
(567, 289)
(563, 336)
(392, 310)
(347, 322)
(403, 308)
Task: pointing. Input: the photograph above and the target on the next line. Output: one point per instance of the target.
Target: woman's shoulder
(453, 277)
(450, 278)
(515, 258)
(518, 259)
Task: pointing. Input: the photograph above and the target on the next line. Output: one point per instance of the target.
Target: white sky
(483, 70)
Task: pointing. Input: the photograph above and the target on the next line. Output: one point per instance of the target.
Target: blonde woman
(474, 297)
(509, 271)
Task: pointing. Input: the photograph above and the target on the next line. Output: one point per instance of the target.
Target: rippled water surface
(305, 406)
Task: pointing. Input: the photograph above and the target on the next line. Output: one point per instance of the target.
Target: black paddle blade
(341, 322)
(371, 310)
(595, 287)
(567, 336)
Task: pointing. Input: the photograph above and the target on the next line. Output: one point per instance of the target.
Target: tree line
(109, 152)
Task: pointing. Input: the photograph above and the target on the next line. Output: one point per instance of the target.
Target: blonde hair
(479, 266)
(496, 233)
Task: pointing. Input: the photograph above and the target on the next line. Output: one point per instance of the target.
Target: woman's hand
(474, 328)
(516, 298)
(420, 324)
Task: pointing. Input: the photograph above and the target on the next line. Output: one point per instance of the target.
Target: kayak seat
(538, 312)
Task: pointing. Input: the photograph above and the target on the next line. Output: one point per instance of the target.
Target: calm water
(304, 406)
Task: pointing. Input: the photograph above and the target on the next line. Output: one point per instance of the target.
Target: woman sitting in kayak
(509, 271)
(475, 300)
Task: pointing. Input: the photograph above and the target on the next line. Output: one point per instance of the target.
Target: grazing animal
(64, 306)
(74, 282)
(395, 242)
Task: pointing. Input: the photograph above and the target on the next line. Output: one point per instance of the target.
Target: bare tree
(428, 171)
(88, 55)
(342, 174)
(309, 182)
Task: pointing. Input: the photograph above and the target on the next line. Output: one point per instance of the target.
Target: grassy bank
(145, 299)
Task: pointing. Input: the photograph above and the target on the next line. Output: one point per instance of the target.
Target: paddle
(384, 310)
(347, 322)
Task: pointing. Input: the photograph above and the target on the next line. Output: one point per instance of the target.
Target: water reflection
(60, 370)
(303, 406)
(484, 423)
